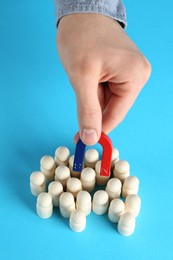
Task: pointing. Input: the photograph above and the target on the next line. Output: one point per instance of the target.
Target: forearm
(111, 8)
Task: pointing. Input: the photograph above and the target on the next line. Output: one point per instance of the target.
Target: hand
(106, 70)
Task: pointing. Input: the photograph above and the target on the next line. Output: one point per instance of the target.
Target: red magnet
(106, 156)
(106, 143)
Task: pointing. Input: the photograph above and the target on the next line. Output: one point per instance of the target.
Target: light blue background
(38, 113)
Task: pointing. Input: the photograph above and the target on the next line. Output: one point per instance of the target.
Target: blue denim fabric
(111, 8)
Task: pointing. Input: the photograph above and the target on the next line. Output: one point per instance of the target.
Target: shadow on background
(25, 158)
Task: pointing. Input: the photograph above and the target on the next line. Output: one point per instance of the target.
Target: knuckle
(145, 68)
(141, 67)
(89, 113)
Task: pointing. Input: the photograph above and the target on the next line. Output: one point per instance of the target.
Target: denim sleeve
(111, 8)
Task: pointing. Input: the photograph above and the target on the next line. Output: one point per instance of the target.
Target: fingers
(125, 86)
(89, 111)
(116, 109)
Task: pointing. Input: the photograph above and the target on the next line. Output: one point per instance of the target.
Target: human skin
(106, 70)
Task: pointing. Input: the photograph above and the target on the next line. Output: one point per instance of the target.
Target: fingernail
(89, 136)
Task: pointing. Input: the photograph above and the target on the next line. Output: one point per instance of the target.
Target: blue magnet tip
(79, 156)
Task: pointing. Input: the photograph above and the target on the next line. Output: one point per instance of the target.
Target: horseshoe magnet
(106, 144)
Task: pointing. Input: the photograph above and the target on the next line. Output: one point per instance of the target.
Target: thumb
(89, 112)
